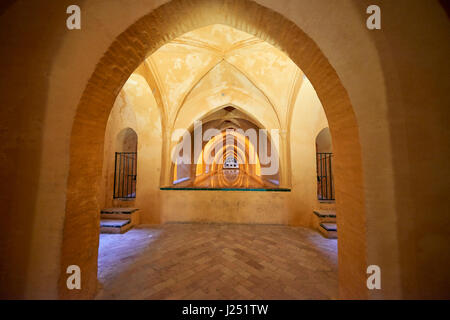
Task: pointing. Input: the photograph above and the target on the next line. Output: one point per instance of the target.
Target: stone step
(115, 225)
(119, 210)
(121, 214)
(323, 216)
(328, 230)
(325, 213)
(326, 205)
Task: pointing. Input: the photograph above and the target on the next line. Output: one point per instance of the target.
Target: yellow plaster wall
(225, 206)
(122, 117)
(230, 67)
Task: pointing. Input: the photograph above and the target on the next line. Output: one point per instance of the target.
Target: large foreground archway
(80, 244)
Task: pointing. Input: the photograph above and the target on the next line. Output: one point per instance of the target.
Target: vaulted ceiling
(209, 68)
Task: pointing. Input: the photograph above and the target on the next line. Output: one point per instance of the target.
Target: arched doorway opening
(232, 139)
(324, 166)
(125, 165)
(127, 140)
(144, 37)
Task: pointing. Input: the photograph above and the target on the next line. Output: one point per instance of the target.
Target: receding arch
(324, 165)
(250, 117)
(231, 121)
(144, 37)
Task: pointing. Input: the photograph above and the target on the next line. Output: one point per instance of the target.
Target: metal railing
(325, 185)
(125, 175)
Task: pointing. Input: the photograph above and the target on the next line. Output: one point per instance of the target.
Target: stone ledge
(119, 210)
(325, 214)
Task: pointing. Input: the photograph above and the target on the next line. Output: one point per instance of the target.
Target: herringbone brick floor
(217, 261)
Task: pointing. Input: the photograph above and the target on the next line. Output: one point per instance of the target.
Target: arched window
(324, 157)
(125, 165)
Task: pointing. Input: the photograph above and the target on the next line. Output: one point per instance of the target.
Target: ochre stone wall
(388, 87)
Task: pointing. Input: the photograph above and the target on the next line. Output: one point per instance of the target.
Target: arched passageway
(324, 165)
(143, 38)
(389, 75)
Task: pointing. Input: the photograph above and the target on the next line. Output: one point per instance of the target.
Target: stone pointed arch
(81, 227)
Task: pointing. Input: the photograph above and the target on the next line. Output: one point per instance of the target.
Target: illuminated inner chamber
(236, 152)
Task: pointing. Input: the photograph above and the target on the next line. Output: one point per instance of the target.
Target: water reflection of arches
(230, 163)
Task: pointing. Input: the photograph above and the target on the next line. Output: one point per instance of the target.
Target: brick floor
(217, 261)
